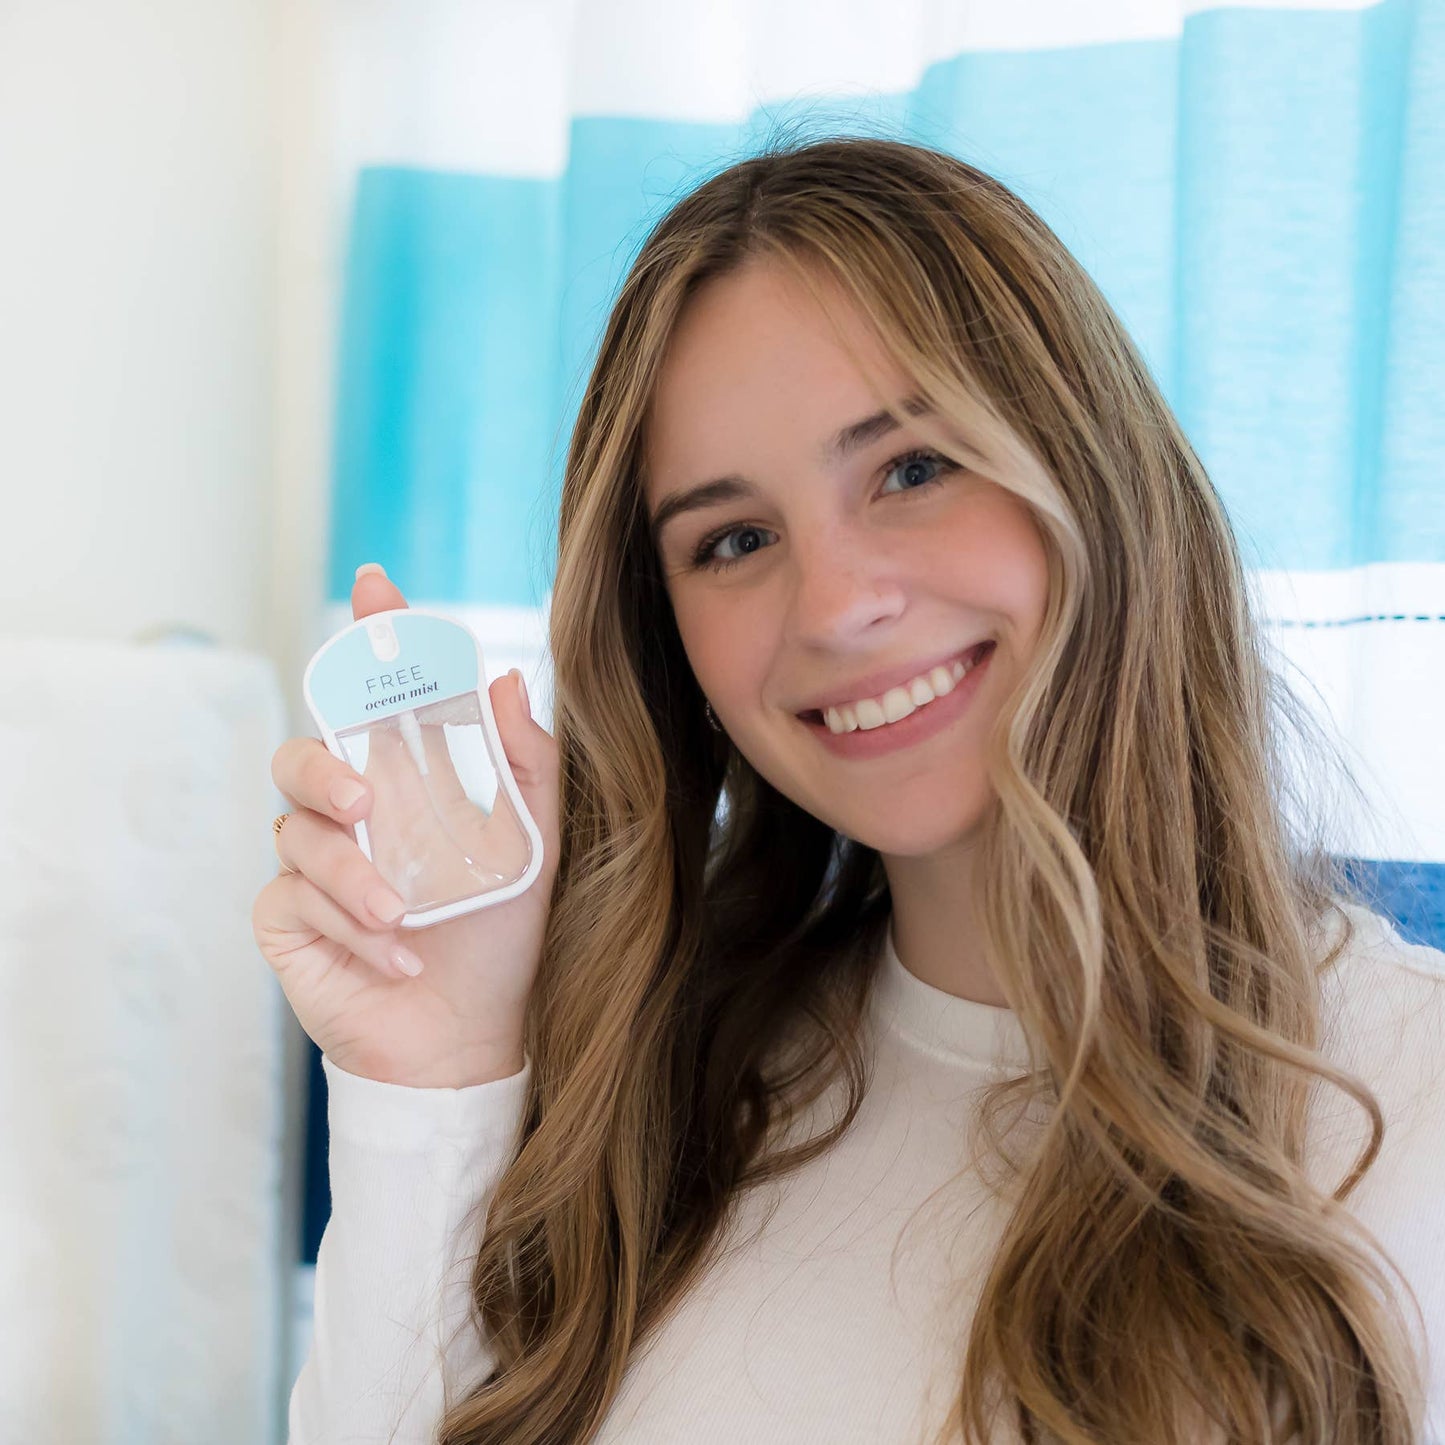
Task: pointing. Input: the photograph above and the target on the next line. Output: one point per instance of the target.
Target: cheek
(727, 657)
(1030, 579)
(994, 551)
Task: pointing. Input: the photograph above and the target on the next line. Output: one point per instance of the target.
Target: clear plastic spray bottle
(401, 697)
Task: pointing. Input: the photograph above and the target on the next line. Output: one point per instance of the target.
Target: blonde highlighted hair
(1152, 913)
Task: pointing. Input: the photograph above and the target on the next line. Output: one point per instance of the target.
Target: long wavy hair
(1155, 907)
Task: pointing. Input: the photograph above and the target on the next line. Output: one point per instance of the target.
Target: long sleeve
(411, 1171)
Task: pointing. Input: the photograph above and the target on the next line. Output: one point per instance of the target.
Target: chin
(915, 842)
(899, 834)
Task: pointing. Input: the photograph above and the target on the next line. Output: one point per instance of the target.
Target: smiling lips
(898, 702)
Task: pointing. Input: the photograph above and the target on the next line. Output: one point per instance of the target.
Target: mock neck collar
(964, 1029)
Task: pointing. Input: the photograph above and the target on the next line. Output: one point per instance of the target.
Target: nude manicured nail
(522, 692)
(370, 567)
(406, 961)
(345, 792)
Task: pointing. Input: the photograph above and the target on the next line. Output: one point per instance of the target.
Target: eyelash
(701, 560)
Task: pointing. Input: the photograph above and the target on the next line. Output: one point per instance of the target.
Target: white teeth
(897, 702)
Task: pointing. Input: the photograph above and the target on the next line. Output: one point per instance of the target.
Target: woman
(996, 1062)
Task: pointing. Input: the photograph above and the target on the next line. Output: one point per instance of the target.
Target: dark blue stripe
(1355, 621)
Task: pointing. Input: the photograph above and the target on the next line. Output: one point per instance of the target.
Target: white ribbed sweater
(838, 1310)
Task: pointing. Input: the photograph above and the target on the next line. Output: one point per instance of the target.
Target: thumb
(374, 591)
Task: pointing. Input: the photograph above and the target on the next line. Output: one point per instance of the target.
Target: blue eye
(919, 458)
(922, 460)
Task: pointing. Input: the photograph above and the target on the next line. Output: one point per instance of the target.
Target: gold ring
(275, 838)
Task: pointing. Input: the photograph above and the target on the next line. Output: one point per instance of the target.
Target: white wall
(168, 260)
(140, 190)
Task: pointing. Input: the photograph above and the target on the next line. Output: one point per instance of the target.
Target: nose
(843, 586)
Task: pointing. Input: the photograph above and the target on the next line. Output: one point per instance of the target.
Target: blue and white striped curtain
(1258, 188)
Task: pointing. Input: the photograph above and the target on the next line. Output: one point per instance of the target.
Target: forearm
(411, 1172)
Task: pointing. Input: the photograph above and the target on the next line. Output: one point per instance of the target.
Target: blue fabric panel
(1267, 230)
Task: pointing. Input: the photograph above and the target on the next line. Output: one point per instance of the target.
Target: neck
(934, 928)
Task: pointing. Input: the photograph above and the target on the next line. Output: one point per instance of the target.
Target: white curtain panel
(143, 1268)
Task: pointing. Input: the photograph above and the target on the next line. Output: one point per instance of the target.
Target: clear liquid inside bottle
(440, 829)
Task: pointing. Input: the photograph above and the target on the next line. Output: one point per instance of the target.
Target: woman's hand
(327, 928)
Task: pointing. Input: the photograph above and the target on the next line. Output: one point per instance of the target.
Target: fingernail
(371, 567)
(345, 792)
(522, 691)
(406, 960)
(385, 904)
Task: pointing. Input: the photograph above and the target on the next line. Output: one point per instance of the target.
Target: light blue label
(348, 685)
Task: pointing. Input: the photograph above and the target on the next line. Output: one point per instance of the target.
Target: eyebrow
(730, 488)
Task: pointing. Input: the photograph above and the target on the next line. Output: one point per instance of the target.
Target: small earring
(712, 718)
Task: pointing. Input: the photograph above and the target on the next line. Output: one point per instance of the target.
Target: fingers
(335, 889)
(532, 754)
(310, 776)
(327, 855)
(293, 905)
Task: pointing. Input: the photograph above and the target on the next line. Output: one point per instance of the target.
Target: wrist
(475, 1068)
(466, 1075)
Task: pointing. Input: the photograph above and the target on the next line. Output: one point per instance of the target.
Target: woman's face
(844, 566)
